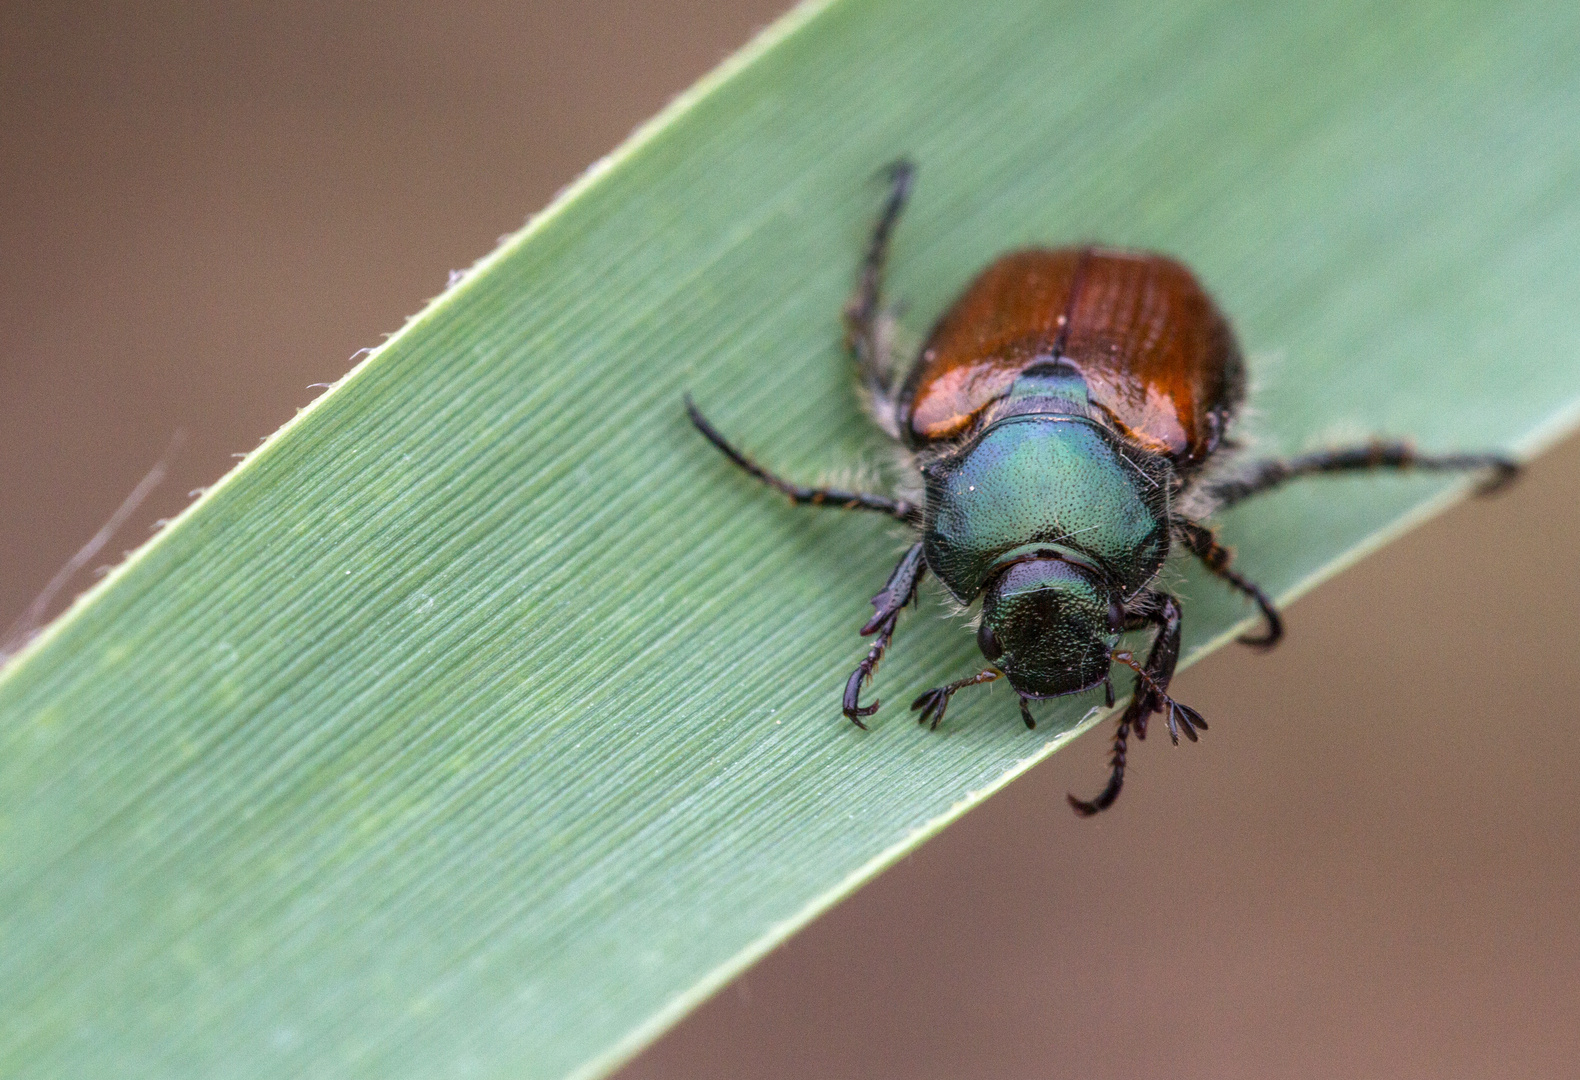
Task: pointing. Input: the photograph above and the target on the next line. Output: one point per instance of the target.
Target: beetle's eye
(1116, 616)
(987, 641)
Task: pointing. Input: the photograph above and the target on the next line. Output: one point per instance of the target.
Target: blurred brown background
(1369, 868)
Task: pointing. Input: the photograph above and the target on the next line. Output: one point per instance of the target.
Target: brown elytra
(1155, 353)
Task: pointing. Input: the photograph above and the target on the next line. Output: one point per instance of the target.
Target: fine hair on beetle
(1065, 427)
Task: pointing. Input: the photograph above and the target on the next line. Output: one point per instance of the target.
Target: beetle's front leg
(1151, 694)
(898, 591)
(1162, 611)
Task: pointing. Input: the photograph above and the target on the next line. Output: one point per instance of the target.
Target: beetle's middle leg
(1151, 695)
(804, 496)
(868, 327)
(1268, 473)
(1200, 541)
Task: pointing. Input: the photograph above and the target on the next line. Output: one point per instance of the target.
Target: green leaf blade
(486, 719)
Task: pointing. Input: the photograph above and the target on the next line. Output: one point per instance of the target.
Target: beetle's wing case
(1155, 353)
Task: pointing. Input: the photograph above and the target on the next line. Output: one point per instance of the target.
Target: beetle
(1068, 418)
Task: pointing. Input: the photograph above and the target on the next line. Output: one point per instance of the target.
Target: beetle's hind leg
(1270, 472)
(804, 496)
(869, 329)
(1215, 557)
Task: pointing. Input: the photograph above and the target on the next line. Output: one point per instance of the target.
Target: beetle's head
(1050, 625)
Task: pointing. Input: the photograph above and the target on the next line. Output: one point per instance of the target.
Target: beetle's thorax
(1046, 476)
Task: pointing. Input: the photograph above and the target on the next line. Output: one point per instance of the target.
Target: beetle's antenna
(1178, 716)
(932, 704)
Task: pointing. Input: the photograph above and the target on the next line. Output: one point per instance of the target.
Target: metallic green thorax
(1046, 477)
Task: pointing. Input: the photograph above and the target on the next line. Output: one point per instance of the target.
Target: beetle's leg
(805, 496)
(1160, 611)
(898, 591)
(1116, 773)
(1270, 472)
(865, 333)
(932, 704)
(1200, 541)
(1151, 693)
(854, 710)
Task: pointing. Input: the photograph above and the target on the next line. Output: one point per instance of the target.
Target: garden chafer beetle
(1068, 419)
